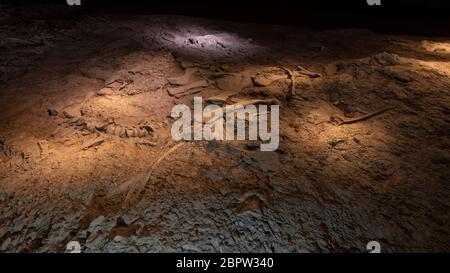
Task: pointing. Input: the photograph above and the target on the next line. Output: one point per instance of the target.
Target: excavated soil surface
(85, 129)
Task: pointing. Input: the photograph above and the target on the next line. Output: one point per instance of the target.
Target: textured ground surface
(84, 108)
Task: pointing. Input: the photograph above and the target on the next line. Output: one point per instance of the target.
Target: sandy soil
(85, 107)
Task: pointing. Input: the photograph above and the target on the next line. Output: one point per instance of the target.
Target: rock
(148, 128)
(252, 146)
(80, 122)
(3, 231)
(435, 46)
(255, 162)
(102, 126)
(386, 59)
(128, 219)
(96, 222)
(3, 196)
(7, 149)
(110, 129)
(57, 235)
(41, 223)
(147, 143)
(94, 144)
(19, 224)
(136, 132)
(216, 41)
(105, 92)
(399, 74)
(52, 112)
(5, 245)
(130, 132)
(98, 243)
(119, 247)
(335, 142)
(68, 115)
(190, 248)
(119, 131)
(120, 239)
(142, 133)
(282, 150)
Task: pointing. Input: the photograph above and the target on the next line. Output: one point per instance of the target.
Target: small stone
(336, 142)
(3, 231)
(3, 196)
(105, 92)
(119, 131)
(52, 112)
(96, 222)
(149, 129)
(387, 59)
(142, 133)
(129, 219)
(110, 129)
(97, 243)
(282, 150)
(5, 245)
(117, 165)
(252, 146)
(79, 122)
(120, 222)
(399, 74)
(68, 115)
(120, 239)
(130, 132)
(102, 126)
(189, 248)
(147, 144)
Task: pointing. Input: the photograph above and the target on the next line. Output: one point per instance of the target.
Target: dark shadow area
(417, 17)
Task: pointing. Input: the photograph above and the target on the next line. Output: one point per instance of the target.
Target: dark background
(399, 5)
(421, 17)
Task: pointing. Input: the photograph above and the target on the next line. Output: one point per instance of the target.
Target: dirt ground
(85, 127)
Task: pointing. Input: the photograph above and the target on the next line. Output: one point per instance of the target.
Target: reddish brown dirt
(328, 188)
